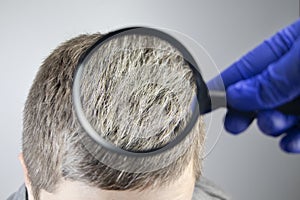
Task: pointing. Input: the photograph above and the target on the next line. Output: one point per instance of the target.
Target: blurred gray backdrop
(249, 166)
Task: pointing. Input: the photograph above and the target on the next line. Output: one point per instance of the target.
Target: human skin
(181, 189)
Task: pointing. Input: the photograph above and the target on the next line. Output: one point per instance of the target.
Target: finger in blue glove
(274, 123)
(291, 142)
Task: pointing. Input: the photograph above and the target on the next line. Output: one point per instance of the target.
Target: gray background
(249, 166)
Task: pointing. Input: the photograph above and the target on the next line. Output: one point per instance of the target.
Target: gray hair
(139, 99)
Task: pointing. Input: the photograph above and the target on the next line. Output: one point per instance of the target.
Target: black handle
(218, 99)
(291, 108)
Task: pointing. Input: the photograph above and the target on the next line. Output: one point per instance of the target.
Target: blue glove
(262, 80)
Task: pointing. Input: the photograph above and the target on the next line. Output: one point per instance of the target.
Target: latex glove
(263, 79)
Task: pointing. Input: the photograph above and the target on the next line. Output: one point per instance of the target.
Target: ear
(26, 177)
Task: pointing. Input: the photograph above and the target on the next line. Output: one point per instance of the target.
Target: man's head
(122, 105)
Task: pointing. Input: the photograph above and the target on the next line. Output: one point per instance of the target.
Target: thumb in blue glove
(278, 84)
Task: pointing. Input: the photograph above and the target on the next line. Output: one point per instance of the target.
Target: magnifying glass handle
(218, 100)
(291, 108)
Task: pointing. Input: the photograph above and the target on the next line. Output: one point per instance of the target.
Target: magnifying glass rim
(198, 107)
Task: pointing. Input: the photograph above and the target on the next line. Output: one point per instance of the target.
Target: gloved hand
(262, 80)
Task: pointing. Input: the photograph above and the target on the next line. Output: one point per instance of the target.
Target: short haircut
(52, 135)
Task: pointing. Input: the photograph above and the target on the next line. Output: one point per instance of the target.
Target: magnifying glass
(123, 40)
